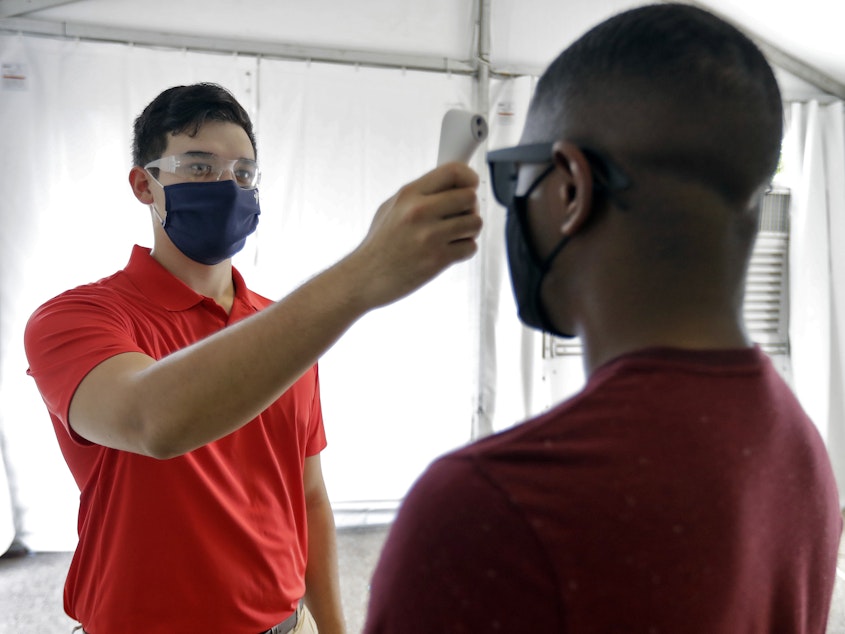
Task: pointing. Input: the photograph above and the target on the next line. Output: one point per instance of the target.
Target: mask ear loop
(158, 215)
(520, 204)
(543, 265)
(152, 204)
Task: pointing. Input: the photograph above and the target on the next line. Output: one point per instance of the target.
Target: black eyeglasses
(505, 163)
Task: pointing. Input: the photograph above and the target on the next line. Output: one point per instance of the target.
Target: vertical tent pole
(487, 306)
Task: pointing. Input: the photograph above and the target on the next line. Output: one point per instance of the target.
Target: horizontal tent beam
(801, 70)
(11, 8)
(232, 45)
(776, 55)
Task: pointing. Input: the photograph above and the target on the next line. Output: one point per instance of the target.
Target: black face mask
(527, 270)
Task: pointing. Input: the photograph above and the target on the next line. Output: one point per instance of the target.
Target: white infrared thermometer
(461, 132)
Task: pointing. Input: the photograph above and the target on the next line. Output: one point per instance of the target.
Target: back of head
(668, 89)
(184, 110)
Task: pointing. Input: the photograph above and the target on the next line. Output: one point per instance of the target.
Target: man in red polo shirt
(188, 407)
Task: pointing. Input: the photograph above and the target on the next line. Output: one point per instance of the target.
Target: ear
(576, 189)
(139, 180)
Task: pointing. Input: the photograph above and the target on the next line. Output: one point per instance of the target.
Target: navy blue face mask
(210, 222)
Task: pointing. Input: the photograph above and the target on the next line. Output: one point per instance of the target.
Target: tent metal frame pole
(258, 48)
(11, 8)
(71, 30)
(482, 418)
(801, 70)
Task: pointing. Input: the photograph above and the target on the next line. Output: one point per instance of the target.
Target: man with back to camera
(188, 408)
(683, 489)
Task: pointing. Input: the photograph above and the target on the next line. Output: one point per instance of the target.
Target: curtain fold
(7, 520)
(814, 156)
(511, 388)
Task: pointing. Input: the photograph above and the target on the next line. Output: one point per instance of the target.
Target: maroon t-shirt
(678, 492)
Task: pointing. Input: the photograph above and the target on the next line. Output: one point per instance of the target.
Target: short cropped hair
(184, 109)
(714, 83)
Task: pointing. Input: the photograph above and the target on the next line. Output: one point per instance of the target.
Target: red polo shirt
(212, 541)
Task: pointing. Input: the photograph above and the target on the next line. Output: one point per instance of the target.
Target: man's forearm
(208, 390)
(322, 594)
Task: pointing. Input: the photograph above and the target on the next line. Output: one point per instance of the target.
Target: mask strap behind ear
(152, 205)
(158, 215)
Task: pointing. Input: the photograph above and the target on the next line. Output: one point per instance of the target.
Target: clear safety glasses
(201, 166)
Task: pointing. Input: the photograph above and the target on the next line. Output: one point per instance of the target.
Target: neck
(674, 293)
(213, 281)
(689, 329)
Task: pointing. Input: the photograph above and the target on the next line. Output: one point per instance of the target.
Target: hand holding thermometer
(461, 132)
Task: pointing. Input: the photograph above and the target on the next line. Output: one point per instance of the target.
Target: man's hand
(426, 226)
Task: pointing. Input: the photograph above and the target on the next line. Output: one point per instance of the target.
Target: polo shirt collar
(167, 290)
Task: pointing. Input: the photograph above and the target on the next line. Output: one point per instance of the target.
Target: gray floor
(836, 621)
(31, 585)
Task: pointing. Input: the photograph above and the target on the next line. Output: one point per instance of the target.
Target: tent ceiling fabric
(434, 27)
(810, 30)
(525, 34)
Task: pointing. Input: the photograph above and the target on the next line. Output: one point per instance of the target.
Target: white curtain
(507, 394)
(333, 142)
(397, 387)
(7, 520)
(68, 217)
(814, 159)
(408, 382)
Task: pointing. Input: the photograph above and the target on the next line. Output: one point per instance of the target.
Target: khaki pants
(305, 624)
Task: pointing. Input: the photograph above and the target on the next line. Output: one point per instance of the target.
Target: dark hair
(706, 100)
(184, 109)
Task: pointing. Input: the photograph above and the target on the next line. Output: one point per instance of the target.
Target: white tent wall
(338, 140)
(68, 218)
(407, 382)
(334, 142)
(814, 153)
